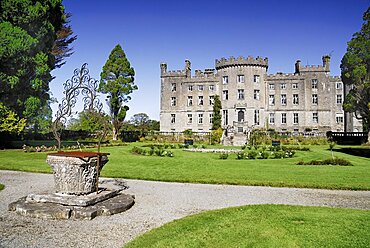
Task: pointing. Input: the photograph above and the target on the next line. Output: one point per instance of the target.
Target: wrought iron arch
(81, 82)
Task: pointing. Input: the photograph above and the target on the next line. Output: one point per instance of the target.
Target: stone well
(77, 193)
(77, 173)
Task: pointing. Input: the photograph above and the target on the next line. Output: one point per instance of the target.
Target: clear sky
(155, 31)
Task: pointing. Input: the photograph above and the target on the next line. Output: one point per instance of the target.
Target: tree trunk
(115, 133)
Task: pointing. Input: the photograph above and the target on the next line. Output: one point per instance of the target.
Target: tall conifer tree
(117, 81)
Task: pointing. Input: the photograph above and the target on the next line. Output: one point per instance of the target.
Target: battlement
(206, 74)
(241, 61)
(176, 73)
(283, 76)
(325, 67)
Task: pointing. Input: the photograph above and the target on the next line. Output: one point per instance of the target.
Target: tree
(117, 81)
(355, 73)
(141, 121)
(28, 32)
(216, 113)
(9, 121)
(93, 121)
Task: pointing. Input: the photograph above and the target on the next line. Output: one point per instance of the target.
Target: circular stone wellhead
(77, 173)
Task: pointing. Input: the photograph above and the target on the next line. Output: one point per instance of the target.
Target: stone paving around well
(156, 203)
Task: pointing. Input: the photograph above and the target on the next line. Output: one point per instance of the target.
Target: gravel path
(156, 203)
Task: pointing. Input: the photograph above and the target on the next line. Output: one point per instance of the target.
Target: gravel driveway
(156, 203)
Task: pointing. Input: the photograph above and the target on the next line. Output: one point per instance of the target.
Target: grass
(263, 226)
(208, 168)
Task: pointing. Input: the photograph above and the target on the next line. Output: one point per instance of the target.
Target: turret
(326, 62)
(297, 66)
(163, 68)
(187, 68)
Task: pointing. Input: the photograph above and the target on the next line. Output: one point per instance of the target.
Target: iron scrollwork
(80, 83)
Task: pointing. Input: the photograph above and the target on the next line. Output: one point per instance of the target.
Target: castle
(307, 100)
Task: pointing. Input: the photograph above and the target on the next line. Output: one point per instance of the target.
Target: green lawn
(264, 226)
(208, 168)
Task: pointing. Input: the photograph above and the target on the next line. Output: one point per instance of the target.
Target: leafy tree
(28, 32)
(117, 81)
(93, 121)
(141, 121)
(355, 73)
(216, 113)
(9, 121)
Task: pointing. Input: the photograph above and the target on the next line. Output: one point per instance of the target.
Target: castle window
(256, 94)
(225, 117)
(200, 100)
(271, 86)
(283, 99)
(190, 88)
(314, 83)
(225, 79)
(240, 94)
(173, 101)
(314, 99)
(211, 87)
(240, 78)
(200, 118)
(272, 118)
(173, 118)
(200, 87)
(173, 87)
(294, 86)
(256, 78)
(283, 118)
(256, 117)
(283, 86)
(211, 118)
(211, 100)
(225, 95)
(190, 118)
(295, 99)
(190, 101)
(271, 99)
(338, 85)
(295, 118)
(339, 99)
(315, 117)
(339, 118)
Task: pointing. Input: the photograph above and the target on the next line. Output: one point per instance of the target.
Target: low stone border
(212, 150)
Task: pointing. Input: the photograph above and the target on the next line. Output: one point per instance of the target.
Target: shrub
(136, 150)
(243, 147)
(204, 147)
(265, 155)
(240, 155)
(279, 155)
(335, 161)
(252, 154)
(224, 156)
(195, 146)
(216, 136)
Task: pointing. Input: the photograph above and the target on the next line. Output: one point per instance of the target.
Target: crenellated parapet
(283, 76)
(207, 73)
(325, 67)
(176, 73)
(241, 61)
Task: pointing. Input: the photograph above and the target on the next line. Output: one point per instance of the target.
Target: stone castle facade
(308, 99)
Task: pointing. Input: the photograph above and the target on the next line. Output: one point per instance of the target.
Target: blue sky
(151, 32)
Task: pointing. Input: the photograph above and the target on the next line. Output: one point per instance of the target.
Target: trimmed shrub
(335, 161)
(252, 154)
(224, 156)
(265, 155)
